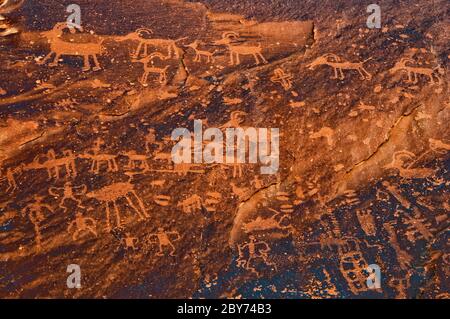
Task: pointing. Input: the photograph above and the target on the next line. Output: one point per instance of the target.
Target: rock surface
(85, 147)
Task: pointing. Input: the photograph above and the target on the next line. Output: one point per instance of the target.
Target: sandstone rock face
(87, 176)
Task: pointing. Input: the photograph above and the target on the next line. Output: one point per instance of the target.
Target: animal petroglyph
(236, 50)
(136, 161)
(68, 192)
(35, 213)
(59, 47)
(111, 194)
(399, 160)
(145, 43)
(274, 222)
(163, 240)
(53, 164)
(99, 158)
(201, 53)
(338, 64)
(255, 250)
(285, 79)
(191, 204)
(149, 68)
(82, 225)
(413, 72)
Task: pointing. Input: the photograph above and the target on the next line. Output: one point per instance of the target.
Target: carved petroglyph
(99, 158)
(255, 250)
(10, 177)
(338, 64)
(8, 6)
(53, 164)
(367, 221)
(413, 72)
(163, 240)
(201, 53)
(145, 43)
(403, 258)
(136, 161)
(111, 194)
(82, 226)
(229, 39)
(282, 78)
(399, 162)
(35, 213)
(191, 204)
(149, 68)
(59, 47)
(68, 192)
(273, 223)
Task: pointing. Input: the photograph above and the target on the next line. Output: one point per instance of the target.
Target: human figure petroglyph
(53, 164)
(282, 78)
(199, 53)
(338, 64)
(82, 225)
(145, 43)
(111, 194)
(100, 158)
(191, 204)
(163, 241)
(367, 221)
(59, 47)
(68, 193)
(149, 68)
(256, 249)
(274, 222)
(10, 178)
(399, 160)
(130, 242)
(136, 161)
(236, 50)
(35, 213)
(413, 72)
(403, 258)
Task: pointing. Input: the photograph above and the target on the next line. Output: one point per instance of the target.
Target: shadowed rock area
(87, 177)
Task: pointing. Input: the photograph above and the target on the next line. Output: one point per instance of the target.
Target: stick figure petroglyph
(163, 240)
(68, 192)
(338, 64)
(10, 172)
(82, 225)
(35, 212)
(256, 250)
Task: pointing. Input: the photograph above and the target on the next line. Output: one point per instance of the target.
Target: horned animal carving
(60, 47)
(144, 43)
(236, 50)
(413, 72)
(338, 64)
